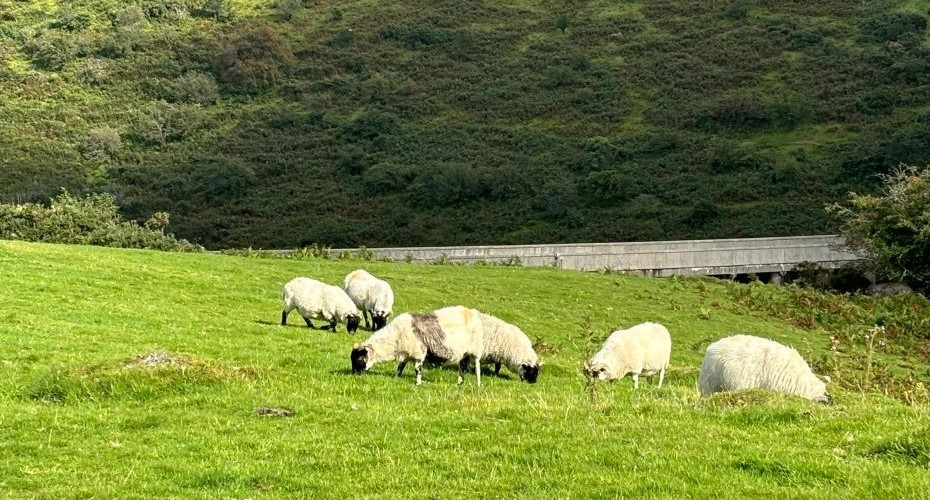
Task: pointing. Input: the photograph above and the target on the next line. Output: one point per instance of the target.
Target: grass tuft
(912, 447)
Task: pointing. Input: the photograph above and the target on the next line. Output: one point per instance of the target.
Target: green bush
(287, 9)
(51, 51)
(90, 220)
(70, 20)
(100, 144)
(255, 59)
(893, 226)
(195, 87)
(219, 10)
(890, 25)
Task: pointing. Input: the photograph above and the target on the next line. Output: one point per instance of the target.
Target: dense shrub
(195, 87)
(420, 37)
(219, 10)
(94, 71)
(890, 25)
(287, 9)
(893, 226)
(51, 51)
(90, 220)
(70, 20)
(101, 144)
(731, 156)
(255, 59)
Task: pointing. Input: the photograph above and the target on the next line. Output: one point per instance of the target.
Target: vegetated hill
(87, 410)
(288, 122)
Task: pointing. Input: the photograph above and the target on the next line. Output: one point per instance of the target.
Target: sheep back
(748, 362)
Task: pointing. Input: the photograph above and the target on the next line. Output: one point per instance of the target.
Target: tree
(892, 227)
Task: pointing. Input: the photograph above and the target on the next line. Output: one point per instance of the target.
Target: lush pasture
(79, 419)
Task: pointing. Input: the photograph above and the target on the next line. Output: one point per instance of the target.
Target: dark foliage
(280, 125)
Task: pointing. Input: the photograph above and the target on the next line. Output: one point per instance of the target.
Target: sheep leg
(284, 318)
(309, 323)
(661, 376)
(365, 315)
(497, 369)
(636, 381)
(463, 365)
(478, 371)
(418, 366)
(400, 367)
(332, 325)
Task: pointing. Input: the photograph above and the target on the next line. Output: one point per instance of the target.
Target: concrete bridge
(771, 257)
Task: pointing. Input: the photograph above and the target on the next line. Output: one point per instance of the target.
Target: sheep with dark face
(748, 362)
(373, 296)
(449, 335)
(316, 300)
(505, 344)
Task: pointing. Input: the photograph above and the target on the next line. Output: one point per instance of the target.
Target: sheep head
(529, 373)
(379, 320)
(352, 321)
(361, 358)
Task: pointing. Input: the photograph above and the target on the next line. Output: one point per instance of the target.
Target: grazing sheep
(748, 362)
(641, 350)
(506, 344)
(316, 300)
(448, 335)
(373, 297)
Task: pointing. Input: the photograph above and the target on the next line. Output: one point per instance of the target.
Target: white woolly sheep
(373, 297)
(641, 350)
(448, 335)
(316, 300)
(749, 362)
(506, 344)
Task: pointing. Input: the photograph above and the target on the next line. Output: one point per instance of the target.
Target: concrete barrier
(654, 258)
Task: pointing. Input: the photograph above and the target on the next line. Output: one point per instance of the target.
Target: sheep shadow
(485, 372)
(265, 322)
(340, 331)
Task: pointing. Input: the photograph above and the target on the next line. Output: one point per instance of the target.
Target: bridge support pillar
(777, 278)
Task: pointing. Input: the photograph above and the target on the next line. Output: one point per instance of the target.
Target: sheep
(317, 300)
(506, 344)
(643, 349)
(373, 297)
(748, 362)
(448, 335)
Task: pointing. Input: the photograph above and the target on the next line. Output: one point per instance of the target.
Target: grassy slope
(70, 317)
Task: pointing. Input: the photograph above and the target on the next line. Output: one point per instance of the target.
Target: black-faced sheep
(373, 296)
(505, 344)
(316, 300)
(448, 335)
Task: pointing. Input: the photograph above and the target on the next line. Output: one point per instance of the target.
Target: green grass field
(76, 421)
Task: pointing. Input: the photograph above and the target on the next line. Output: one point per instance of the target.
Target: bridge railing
(657, 258)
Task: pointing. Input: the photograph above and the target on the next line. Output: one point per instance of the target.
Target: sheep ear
(356, 346)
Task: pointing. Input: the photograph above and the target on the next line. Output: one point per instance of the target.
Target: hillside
(79, 417)
(284, 123)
